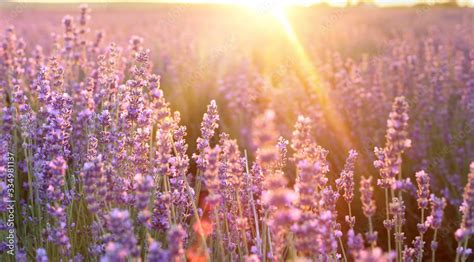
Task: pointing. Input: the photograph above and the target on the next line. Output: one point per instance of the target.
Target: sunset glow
(236, 130)
(265, 2)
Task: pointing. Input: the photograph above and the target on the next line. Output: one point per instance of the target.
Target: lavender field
(180, 132)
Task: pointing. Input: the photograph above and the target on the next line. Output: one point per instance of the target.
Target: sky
(298, 2)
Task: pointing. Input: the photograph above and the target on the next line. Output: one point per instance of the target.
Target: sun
(266, 7)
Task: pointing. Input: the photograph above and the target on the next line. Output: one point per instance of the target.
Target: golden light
(306, 66)
(264, 7)
(250, 3)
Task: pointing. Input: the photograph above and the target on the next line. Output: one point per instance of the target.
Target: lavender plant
(103, 156)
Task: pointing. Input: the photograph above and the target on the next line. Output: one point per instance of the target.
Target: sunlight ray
(313, 81)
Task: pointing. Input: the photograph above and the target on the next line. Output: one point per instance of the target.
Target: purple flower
(409, 254)
(397, 208)
(161, 213)
(57, 231)
(282, 214)
(209, 125)
(93, 180)
(389, 158)
(467, 209)
(156, 253)
(41, 255)
(418, 246)
(163, 150)
(282, 148)
(366, 196)
(84, 14)
(346, 180)
(437, 211)
(122, 243)
(355, 242)
(144, 187)
(304, 145)
(308, 178)
(210, 175)
(56, 177)
(264, 138)
(233, 164)
(423, 180)
(176, 237)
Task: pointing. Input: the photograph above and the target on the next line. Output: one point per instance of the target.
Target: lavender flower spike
(41, 255)
(389, 158)
(209, 125)
(210, 175)
(467, 224)
(423, 180)
(282, 214)
(368, 206)
(435, 219)
(346, 183)
(122, 243)
(176, 237)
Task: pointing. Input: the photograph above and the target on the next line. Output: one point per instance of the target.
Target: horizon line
(469, 3)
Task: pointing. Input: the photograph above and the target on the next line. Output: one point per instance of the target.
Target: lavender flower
(162, 212)
(437, 211)
(176, 237)
(93, 179)
(346, 180)
(56, 208)
(156, 253)
(397, 208)
(389, 158)
(86, 129)
(355, 243)
(208, 127)
(41, 255)
(366, 196)
(418, 247)
(56, 179)
(309, 178)
(122, 243)
(303, 143)
(282, 148)
(142, 196)
(368, 206)
(346, 183)
(210, 175)
(423, 180)
(467, 224)
(279, 200)
(264, 137)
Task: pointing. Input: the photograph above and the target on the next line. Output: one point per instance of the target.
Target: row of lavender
(103, 172)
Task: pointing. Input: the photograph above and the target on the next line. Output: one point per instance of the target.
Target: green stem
(219, 236)
(343, 251)
(371, 231)
(388, 218)
(433, 251)
(466, 241)
(244, 235)
(270, 248)
(196, 217)
(420, 256)
(254, 210)
(350, 210)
